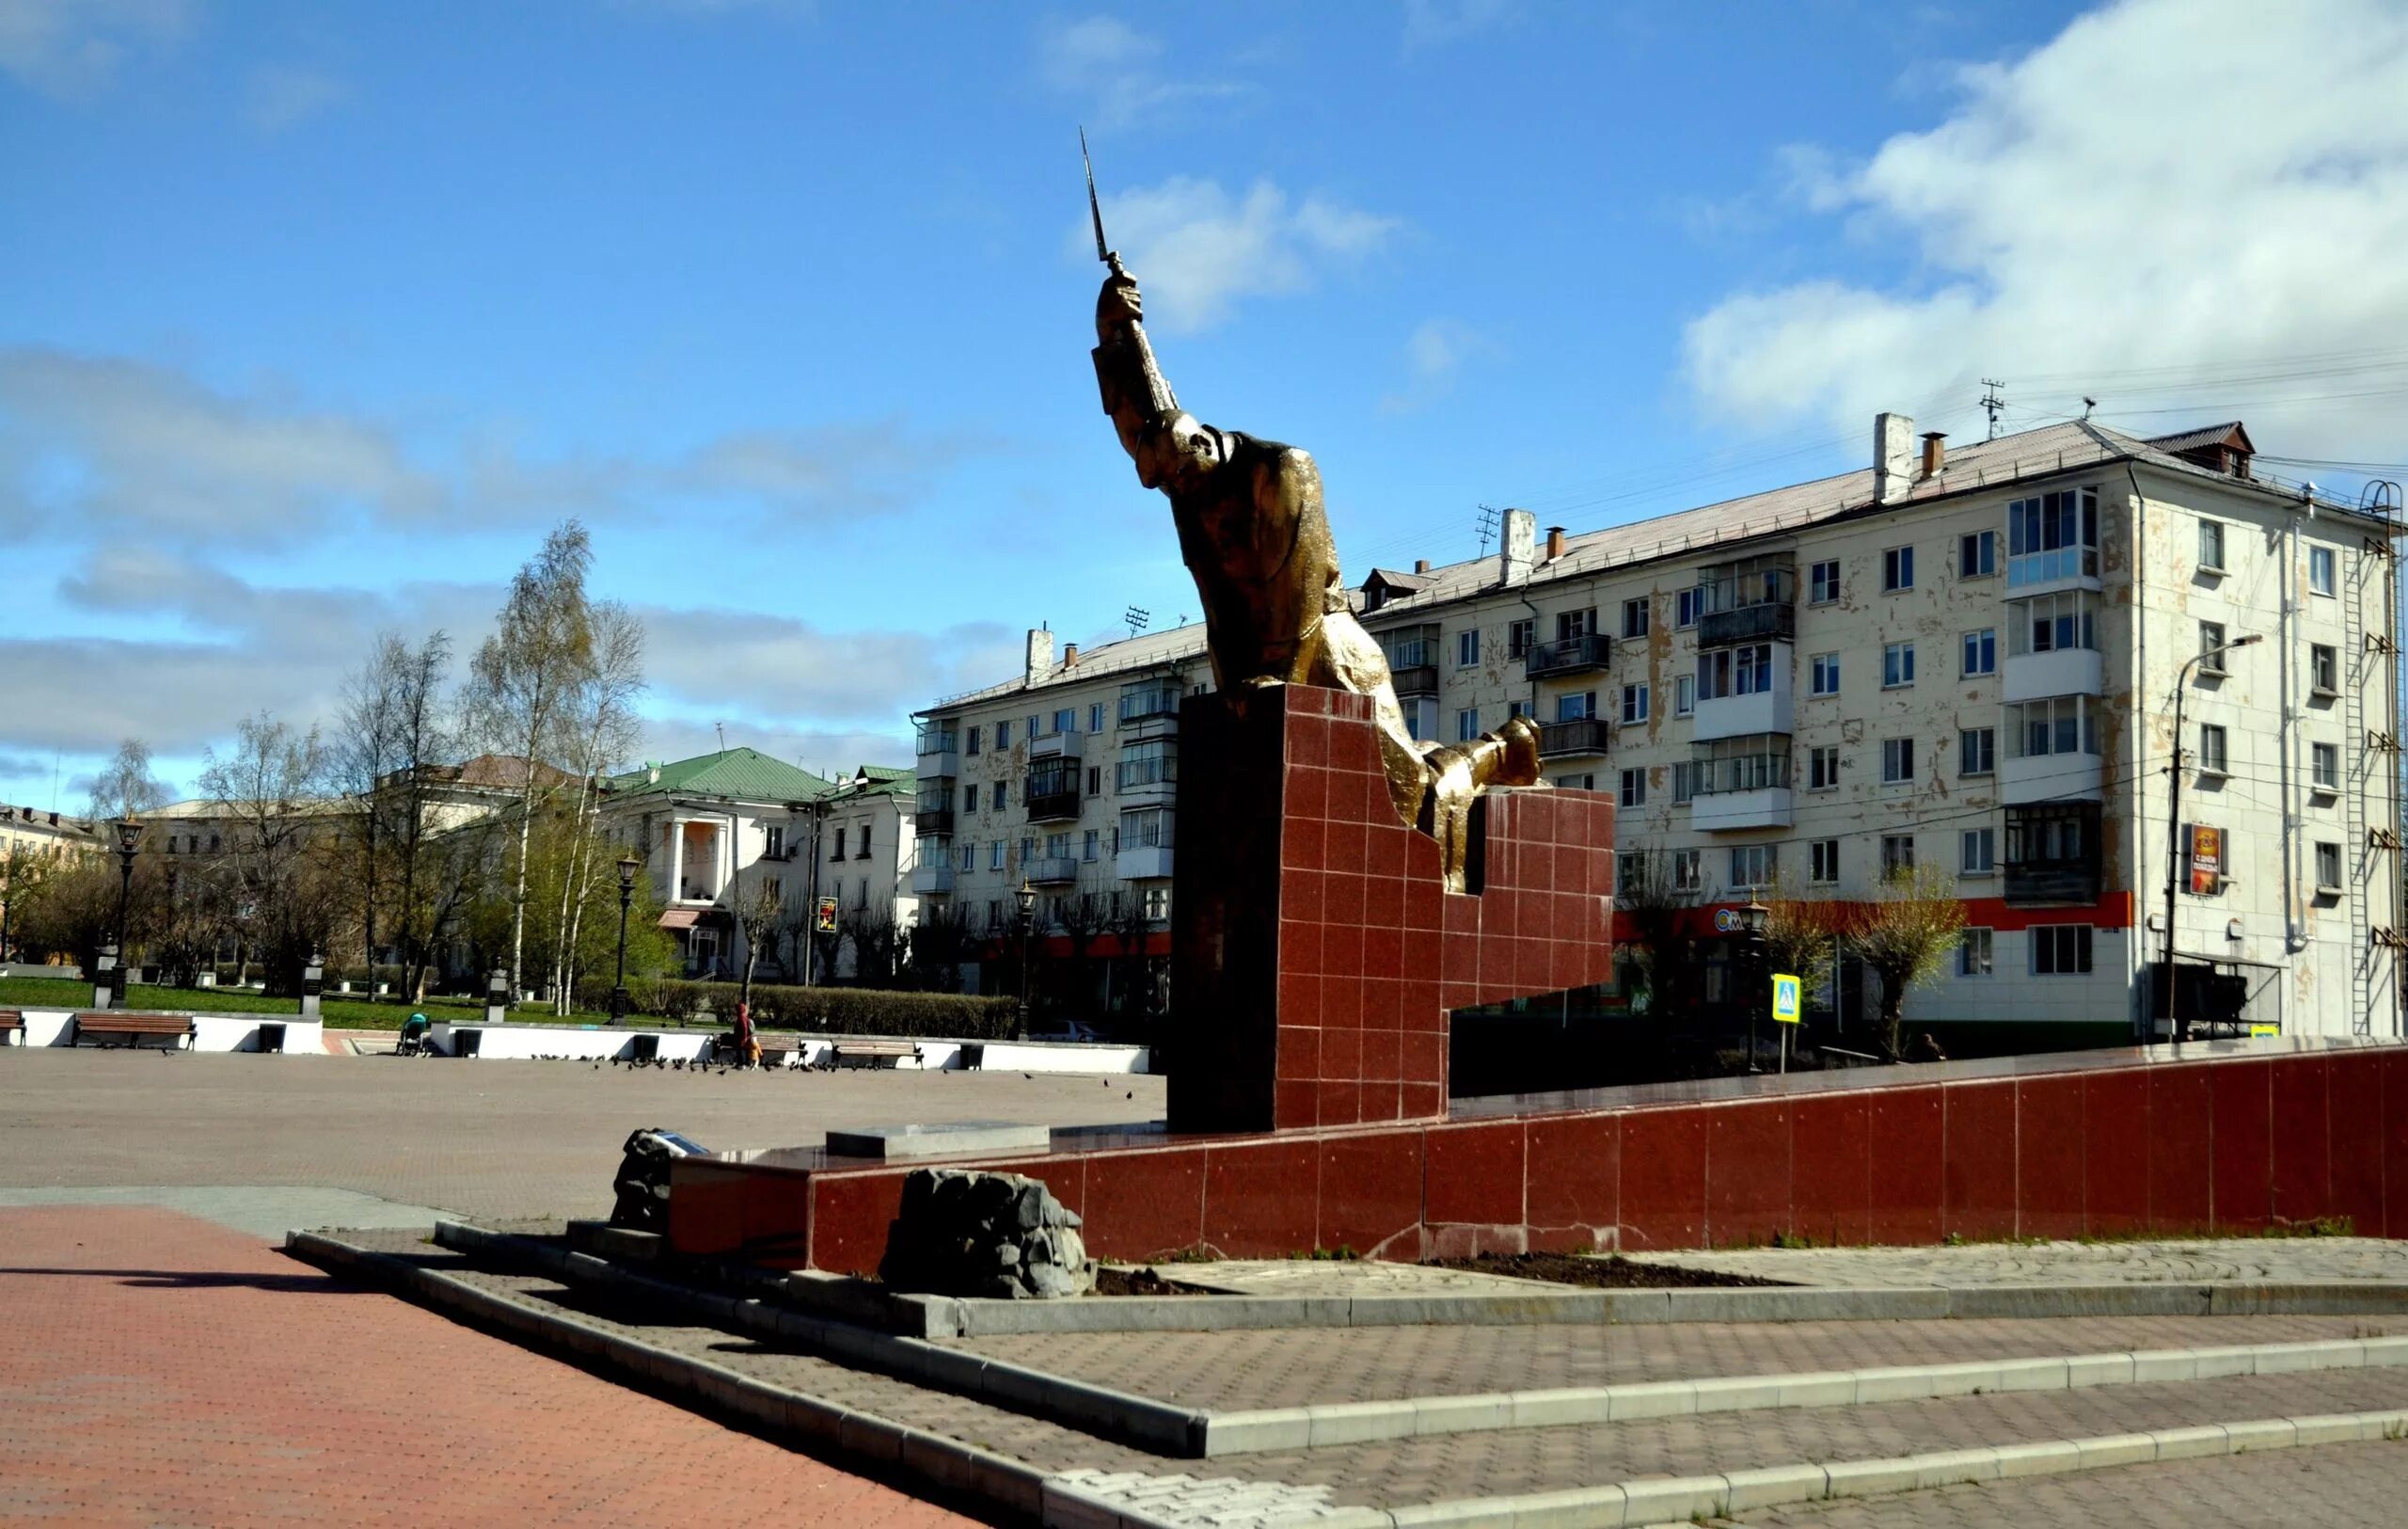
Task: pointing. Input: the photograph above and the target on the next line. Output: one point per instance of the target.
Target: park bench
(871, 1053)
(782, 1050)
(174, 1029)
(12, 1027)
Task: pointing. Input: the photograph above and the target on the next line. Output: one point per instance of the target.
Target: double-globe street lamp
(629, 866)
(129, 838)
(2175, 1022)
(1026, 897)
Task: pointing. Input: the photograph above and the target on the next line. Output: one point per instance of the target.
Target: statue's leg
(1345, 658)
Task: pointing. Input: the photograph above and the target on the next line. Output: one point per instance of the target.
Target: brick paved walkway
(159, 1370)
(2312, 1260)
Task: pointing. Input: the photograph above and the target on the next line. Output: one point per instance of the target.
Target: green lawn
(338, 1013)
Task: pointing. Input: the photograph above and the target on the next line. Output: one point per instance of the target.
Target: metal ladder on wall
(2361, 856)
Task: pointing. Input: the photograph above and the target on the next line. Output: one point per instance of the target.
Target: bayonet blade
(1095, 209)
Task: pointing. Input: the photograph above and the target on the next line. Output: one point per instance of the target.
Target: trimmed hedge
(826, 1010)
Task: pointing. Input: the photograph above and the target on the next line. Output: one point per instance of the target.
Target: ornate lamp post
(1026, 898)
(2175, 1024)
(629, 864)
(1753, 921)
(129, 838)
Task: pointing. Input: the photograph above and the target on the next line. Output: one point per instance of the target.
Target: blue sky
(312, 318)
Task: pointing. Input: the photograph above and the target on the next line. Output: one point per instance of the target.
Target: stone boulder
(962, 1231)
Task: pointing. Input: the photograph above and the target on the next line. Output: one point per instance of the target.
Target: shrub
(820, 1010)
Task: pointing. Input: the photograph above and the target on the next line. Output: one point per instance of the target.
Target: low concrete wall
(521, 1042)
(211, 1032)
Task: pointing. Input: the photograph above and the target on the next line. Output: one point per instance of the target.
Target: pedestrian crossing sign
(1784, 998)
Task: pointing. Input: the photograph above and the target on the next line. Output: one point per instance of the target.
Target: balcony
(1052, 789)
(930, 821)
(1149, 713)
(2052, 853)
(1566, 656)
(1062, 745)
(2048, 778)
(1565, 740)
(1777, 621)
(1054, 871)
(1149, 780)
(931, 880)
(1053, 806)
(1146, 862)
(1417, 679)
(1720, 812)
(2067, 671)
(2052, 880)
(2057, 568)
(940, 753)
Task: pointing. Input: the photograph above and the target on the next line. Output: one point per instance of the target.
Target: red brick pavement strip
(160, 1370)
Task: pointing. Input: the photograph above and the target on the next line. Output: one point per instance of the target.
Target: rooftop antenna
(1991, 404)
(2089, 403)
(722, 729)
(1487, 527)
(1136, 618)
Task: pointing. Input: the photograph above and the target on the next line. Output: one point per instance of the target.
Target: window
(1981, 652)
(1689, 871)
(1003, 736)
(1897, 760)
(1057, 846)
(2060, 725)
(2324, 766)
(773, 842)
(1897, 854)
(995, 855)
(1095, 716)
(2320, 570)
(1823, 767)
(1467, 725)
(2060, 949)
(2212, 758)
(1148, 828)
(1898, 569)
(2052, 535)
(1091, 845)
(1683, 782)
(1066, 720)
(1634, 788)
(2052, 622)
(1027, 851)
(2325, 669)
(1574, 624)
(1977, 554)
(2328, 868)
(1749, 762)
(2212, 546)
(969, 797)
(1823, 583)
(1973, 951)
(1752, 865)
(976, 734)
(1685, 606)
(1157, 904)
(1634, 704)
(1575, 707)
(1897, 665)
(861, 851)
(1683, 694)
(1978, 852)
(1467, 647)
(970, 856)
(1824, 671)
(840, 846)
(1745, 670)
(1518, 637)
(1822, 861)
(2210, 640)
(999, 793)
(1634, 617)
(1977, 751)
(1095, 780)
(1421, 717)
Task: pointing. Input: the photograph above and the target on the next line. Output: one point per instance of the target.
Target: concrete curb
(1304, 1427)
(945, 1317)
(1150, 1424)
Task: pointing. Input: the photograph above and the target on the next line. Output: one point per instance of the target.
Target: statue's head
(1166, 452)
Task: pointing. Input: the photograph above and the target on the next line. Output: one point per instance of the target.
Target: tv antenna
(721, 728)
(2089, 403)
(1136, 618)
(1487, 527)
(1991, 404)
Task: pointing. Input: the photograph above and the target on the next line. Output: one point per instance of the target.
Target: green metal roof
(739, 774)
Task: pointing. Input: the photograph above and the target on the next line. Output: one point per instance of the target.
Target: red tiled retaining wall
(2231, 1142)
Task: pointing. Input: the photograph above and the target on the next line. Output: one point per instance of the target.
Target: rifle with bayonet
(1131, 354)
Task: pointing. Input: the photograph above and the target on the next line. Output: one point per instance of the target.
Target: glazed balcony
(1567, 656)
(1054, 871)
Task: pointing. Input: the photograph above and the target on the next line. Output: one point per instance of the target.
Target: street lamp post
(1755, 917)
(1026, 897)
(129, 838)
(629, 864)
(2175, 1024)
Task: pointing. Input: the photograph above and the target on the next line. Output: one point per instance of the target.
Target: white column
(676, 860)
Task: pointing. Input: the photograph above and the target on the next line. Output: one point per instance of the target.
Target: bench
(173, 1029)
(12, 1027)
(782, 1050)
(870, 1053)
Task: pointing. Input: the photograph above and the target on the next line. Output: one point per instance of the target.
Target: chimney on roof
(1040, 655)
(1554, 543)
(1070, 655)
(1935, 452)
(1421, 565)
(1893, 456)
(1514, 553)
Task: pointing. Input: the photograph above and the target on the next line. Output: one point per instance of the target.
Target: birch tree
(125, 787)
(396, 734)
(605, 731)
(269, 793)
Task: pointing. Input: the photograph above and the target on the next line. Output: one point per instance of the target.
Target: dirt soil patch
(1119, 1282)
(1614, 1273)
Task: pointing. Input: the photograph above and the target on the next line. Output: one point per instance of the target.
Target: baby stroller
(413, 1041)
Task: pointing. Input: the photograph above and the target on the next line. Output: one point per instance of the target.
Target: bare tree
(27, 872)
(1650, 895)
(125, 787)
(605, 734)
(1801, 933)
(524, 682)
(269, 793)
(393, 735)
(876, 944)
(940, 935)
(1906, 932)
(758, 916)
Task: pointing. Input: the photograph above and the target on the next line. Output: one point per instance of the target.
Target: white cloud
(72, 48)
(1198, 252)
(2147, 208)
(1435, 353)
(94, 446)
(1430, 22)
(1112, 68)
(279, 96)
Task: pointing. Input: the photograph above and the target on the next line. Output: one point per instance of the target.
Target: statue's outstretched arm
(1136, 393)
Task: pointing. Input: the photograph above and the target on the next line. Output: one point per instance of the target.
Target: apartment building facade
(1966, 660)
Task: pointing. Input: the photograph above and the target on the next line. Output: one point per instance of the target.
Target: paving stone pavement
(2329, 1486)
(2190, 1262)
(161, 1370)
(1345, 1277)
(1295, 1367)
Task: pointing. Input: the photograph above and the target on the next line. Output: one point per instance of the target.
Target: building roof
(2227, 434)
(877, 780)
(737, 774)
